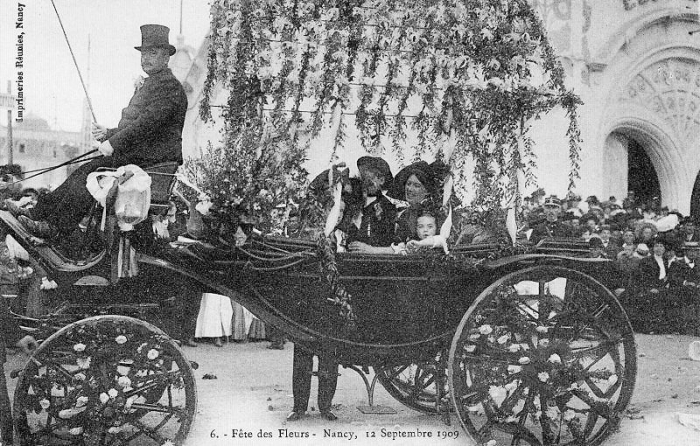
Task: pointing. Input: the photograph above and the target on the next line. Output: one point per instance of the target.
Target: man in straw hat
(149, 132)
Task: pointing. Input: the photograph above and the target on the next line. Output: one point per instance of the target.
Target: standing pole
(9, 137)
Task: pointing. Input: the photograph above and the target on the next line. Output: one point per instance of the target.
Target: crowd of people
(653, 248)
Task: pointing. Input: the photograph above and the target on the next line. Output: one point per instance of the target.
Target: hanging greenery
(456, 79)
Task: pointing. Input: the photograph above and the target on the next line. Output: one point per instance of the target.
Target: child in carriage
(426, 230)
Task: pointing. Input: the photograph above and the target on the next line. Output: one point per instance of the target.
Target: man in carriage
(149, 132)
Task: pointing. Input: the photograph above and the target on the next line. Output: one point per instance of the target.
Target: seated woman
(417, 184)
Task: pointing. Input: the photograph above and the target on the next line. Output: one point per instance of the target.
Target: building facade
(635, 65)
(36, 146)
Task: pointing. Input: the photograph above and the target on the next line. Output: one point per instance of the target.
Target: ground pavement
(252, 396)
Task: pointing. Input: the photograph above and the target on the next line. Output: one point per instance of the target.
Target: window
(21, 148)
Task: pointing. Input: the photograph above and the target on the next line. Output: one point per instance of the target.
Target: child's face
(426, 227)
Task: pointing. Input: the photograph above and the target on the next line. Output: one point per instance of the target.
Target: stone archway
(653, 97)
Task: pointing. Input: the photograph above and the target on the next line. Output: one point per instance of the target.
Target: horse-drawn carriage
(527, 346)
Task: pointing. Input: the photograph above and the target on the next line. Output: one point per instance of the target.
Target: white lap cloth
(214, 319)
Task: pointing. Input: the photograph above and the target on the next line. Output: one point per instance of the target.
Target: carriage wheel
(106, 380)
(544, 356)
(416, 385)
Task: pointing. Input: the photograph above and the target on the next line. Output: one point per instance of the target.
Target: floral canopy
(458, 80)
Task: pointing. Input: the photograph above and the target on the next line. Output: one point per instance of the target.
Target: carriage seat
(162, 184)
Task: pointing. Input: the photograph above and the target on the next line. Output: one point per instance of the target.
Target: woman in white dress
(214, 319)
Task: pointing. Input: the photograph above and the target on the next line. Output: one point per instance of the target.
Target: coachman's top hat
(155, 36)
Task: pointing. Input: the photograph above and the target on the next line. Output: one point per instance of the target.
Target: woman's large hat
(421, 170)
(155, 36)
(378, 164)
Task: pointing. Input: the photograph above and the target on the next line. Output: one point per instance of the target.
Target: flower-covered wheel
(420, 386)
(544, 356)
(106, 380)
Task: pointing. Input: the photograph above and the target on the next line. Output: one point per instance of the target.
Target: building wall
(38, 147)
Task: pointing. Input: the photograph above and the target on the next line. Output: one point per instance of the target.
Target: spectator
(610, 248)
(654, 268)
(688, 231)
(641, 251)
(214, 318)
(646, 233)
(628, 238)
(552, 227)
(630, 202)
(590, 226)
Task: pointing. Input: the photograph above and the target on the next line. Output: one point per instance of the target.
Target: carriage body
(414, 317)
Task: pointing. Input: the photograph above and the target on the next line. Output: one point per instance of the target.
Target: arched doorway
(641, 174)
(695, 200)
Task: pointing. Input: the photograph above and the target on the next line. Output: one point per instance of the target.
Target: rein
(77, 159)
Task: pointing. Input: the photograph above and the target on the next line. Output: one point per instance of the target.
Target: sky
(52, 88)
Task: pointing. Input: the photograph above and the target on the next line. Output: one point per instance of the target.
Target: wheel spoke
(564, 342)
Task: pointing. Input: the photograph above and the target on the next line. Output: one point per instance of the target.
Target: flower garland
(422, 71)
(329, 271)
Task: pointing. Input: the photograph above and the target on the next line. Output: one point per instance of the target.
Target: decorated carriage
(522, 344)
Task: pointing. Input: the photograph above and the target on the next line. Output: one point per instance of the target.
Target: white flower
(112, 393)
(104, 398)
(503, 339)
(575, 386)
(524, 360)
(543, 376)
(514, 369)
(612, 380)
(543, 342)
(469, 348)
(138, 83)
(491, 443)
(485, 329)
(541, 329)
(81, 401)
(76, 431)
(80, 347)
(121, 339)
(79, 377)
(514, 348)
(113, 430)
(45, 404)
(124, 381)
(83, 363)
(569, 415)
(497, 393)
(152, 354)
(474, 336)
(554, 359)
